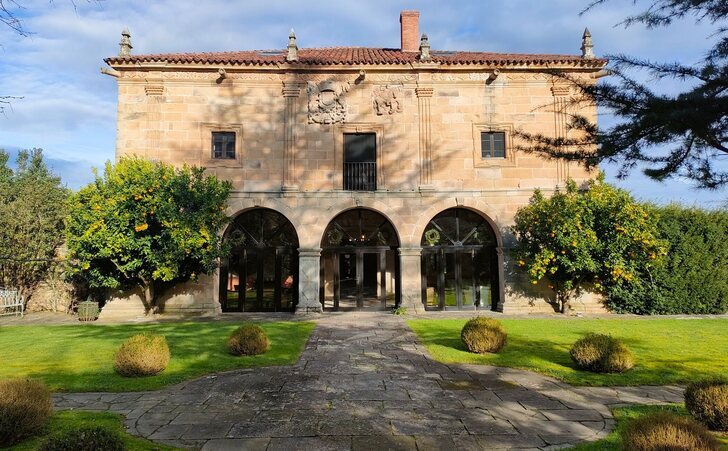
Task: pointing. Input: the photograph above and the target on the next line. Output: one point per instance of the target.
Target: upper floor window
(493, 144)
(360, 161)
(223, 145)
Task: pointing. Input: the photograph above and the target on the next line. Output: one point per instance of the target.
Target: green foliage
(399, 311)
(146, 224)
(601, 354)
(481, 335)
(87, 438)
(68, 421)
(694, 276)
(666, 431)
(667, 132)
(142, 355)
(32, 208)
(597, 237)
(248, 339)
(25, 407)
(707, 402)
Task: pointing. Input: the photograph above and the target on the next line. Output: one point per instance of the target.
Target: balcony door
(360, 161)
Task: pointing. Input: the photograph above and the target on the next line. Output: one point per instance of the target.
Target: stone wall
(289, 151)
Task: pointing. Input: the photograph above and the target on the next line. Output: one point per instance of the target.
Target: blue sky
(69, 109)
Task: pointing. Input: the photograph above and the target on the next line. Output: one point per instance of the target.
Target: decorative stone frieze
(386, 99)
(326, 105)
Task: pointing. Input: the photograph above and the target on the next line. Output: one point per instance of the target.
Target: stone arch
(240, 205)
(495, 257)
(476, 205)
(311, 226)
(261, 272)
(359, 267)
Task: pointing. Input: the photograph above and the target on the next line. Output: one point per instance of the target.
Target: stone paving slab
(364, 382)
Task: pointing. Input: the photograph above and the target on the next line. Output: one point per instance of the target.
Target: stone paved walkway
(364, 382)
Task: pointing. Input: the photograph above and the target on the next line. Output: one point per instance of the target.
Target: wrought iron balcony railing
(360, 176)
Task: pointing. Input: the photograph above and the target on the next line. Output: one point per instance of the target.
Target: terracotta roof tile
(355, 56)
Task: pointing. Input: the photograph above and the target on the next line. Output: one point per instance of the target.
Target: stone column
(424, 94)
(501, 294)
(309, 271)
(291, 91)
(411, 278)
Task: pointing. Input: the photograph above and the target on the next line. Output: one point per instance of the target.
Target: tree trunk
(150, 301)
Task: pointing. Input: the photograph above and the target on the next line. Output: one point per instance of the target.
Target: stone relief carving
(386, 99)
(392, 77)
(326, 104)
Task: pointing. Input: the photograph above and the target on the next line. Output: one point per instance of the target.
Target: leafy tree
(598, 236)
(693, 278)
(669, 135)
(32, 208)
(148, 225)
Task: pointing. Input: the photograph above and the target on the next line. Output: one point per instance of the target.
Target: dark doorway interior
(261, 273)
(359, 264)
(459, 262)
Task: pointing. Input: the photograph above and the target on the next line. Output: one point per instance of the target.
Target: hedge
(693, 278)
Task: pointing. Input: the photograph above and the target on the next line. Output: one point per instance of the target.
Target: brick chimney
(410, 28)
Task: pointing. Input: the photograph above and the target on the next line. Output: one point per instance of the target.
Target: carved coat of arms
(325, 102)
(386, 100)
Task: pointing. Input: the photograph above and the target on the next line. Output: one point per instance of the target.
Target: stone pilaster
(291, 91)
(309, 271)
(411, 278)
(561, 118)
(424, 95)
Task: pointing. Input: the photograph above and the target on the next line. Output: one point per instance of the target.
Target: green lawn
(623, 415)
(667, 351)
(80, 358)
(70, 420)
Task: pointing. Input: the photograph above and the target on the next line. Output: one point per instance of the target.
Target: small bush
(707, 402)
(666, 432)
(25, 407)
(481, 335)
(248, 340)
(89, 438)
(142, 355)
(399, 311)
(601, 354)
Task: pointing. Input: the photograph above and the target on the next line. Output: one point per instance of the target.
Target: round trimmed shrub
(25, 407)
(481, 335)
(601, 354)
(664, 431)
(707, 402)
(88, 438)
(142, 355)
(248, 339)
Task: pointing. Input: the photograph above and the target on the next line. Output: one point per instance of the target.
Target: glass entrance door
(454, 279)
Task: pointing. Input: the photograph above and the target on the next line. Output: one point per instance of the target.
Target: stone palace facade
(363, 178)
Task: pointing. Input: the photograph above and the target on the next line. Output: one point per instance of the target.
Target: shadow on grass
(81, 358)
(551, 356)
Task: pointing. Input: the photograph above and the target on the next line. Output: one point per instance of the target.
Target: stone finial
(292, 47)
(586, 45)
(425, 48)
(125, 43)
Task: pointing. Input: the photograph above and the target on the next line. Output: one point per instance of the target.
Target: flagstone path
(365, 382)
